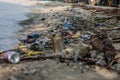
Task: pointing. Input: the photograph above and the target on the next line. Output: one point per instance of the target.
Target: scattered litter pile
(62, 41)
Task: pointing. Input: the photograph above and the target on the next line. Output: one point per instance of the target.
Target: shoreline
(21, 2)
(49, 17)
(9, 15)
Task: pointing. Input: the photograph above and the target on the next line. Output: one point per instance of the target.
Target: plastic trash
(33, 35)
(67, 25)
(85, 36)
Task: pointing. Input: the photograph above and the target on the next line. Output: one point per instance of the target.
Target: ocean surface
(10, 14)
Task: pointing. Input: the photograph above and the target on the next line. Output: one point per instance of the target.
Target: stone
(14, 68)
(44, 72)
(32, 72)
(12, 78)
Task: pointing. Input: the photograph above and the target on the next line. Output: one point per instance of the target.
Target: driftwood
(107, 10)
(57, 56)
(115, 41)
(107, 18)
(8, 51)
(116, 38)
(110, 29)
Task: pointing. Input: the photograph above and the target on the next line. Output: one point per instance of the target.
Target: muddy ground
(45, 16)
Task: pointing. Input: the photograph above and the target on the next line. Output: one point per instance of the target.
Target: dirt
(54, 15)
(50, 69)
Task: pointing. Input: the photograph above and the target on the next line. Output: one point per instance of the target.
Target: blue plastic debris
(67, 25)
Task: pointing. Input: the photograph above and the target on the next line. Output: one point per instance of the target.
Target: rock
(42, 19)
(75, 68)
(44, 73)
(30, 72)
(116, 67)
(117, 57)
(81, 68)
(12, 78)
(14, 68)
(87, 67)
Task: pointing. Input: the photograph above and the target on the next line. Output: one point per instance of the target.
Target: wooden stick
(115, 41)
(8, 50)
(116, 38)
(57, 56)
(109, 29)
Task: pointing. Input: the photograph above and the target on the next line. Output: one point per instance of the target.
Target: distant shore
(21, 2)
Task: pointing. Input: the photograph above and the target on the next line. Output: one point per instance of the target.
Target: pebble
(44, 72)
(15, 68)
(32, 71)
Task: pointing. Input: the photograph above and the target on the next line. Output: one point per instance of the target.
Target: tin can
(11, 57)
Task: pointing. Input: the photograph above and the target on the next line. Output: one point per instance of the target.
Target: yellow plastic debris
(20, 46)
(77, 34)
(33, 53)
